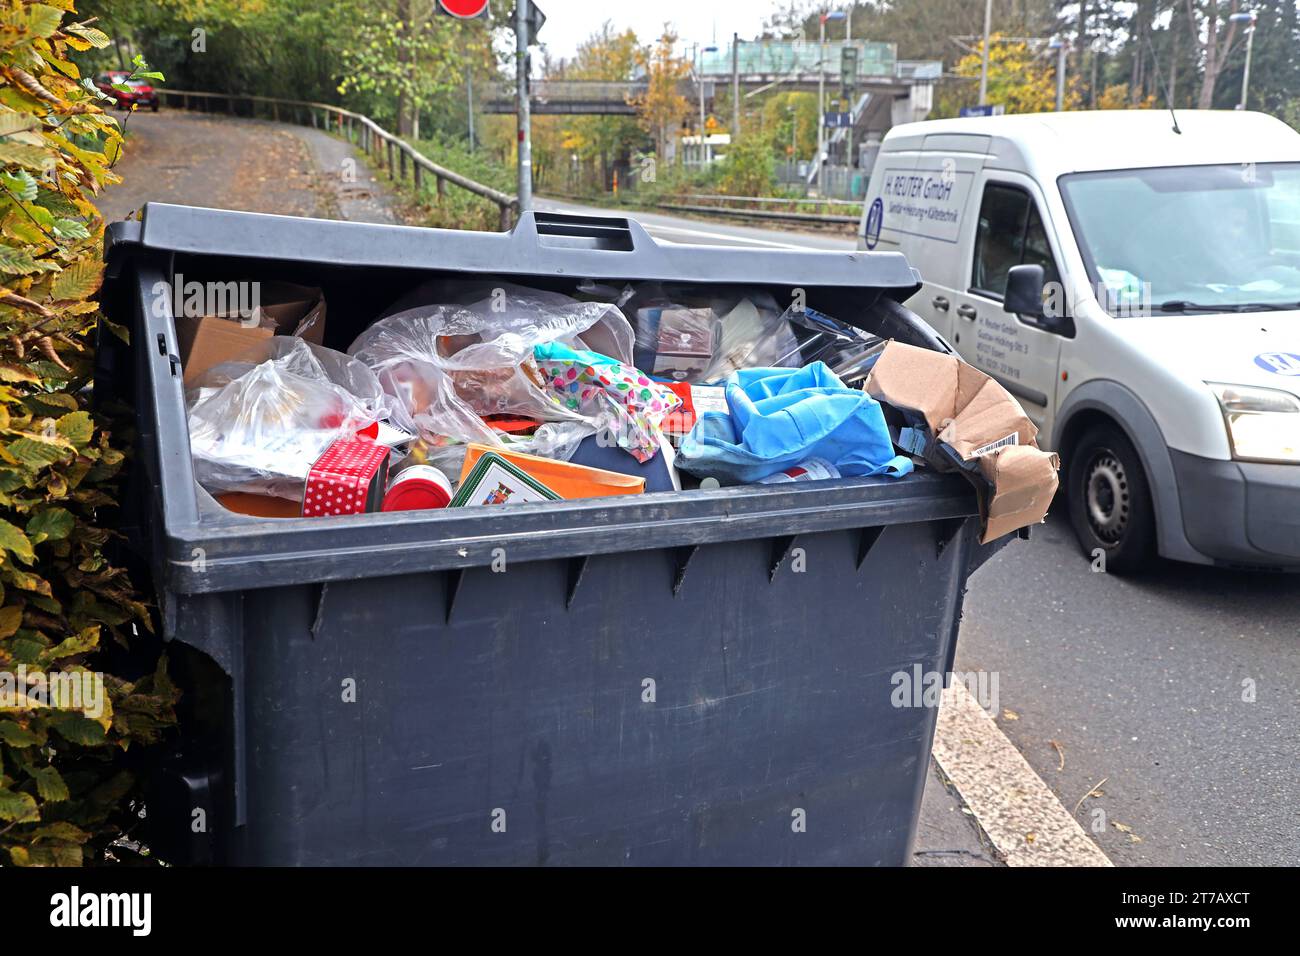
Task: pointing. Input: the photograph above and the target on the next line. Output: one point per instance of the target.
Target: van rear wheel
(1110, 500)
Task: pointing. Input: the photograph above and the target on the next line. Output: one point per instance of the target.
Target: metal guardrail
(778, 199)
(364, 132)
(770, 214)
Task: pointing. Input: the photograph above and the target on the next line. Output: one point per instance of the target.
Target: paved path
(200, 160)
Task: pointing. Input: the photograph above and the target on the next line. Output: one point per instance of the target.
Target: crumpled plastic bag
(447, 365)
(740, 325)
(617, 396)
(257, 427)
(821, 338)
(779, 417)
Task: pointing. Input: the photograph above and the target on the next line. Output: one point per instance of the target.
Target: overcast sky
(569, 22)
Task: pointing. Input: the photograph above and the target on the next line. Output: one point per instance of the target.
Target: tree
(64, 778)
(610, 56)
(1214, 50)
(406, 60)
(1018, 80)
(1275, 60)
(747, 169)
(790, 118)
(662, 108)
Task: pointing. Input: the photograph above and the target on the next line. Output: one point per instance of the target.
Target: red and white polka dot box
(347, 479)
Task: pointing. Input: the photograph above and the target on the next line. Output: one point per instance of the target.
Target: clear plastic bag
(447, 365)
(821, 338)
(257, 427)
(754, 334)
(692, 335)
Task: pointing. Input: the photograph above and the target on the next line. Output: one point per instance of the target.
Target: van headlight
(1263, 423)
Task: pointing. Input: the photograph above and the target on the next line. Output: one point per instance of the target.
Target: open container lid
(541, 243)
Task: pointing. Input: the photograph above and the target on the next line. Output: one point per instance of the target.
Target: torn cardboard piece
(957, 418)
(283, 309)
(1023, 480)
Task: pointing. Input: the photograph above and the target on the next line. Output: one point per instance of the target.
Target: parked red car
(140, 92)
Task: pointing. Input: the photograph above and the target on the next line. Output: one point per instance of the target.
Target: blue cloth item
(780, 416)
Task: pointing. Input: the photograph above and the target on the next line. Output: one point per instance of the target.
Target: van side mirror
(1024, 295)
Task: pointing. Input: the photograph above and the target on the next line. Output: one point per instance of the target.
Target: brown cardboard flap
(1024, 482)
(209, 341)
(917, 379)
(283, 309)
(981, 422)
(963, 406)
(292, 310)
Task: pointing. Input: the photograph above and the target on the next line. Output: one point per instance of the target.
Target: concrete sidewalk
(947, 834)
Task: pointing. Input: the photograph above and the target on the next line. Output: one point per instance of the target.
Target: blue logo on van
(875, 216)
(1282, 363)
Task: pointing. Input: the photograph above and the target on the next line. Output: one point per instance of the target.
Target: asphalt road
(1147, 682)
(1180, 688)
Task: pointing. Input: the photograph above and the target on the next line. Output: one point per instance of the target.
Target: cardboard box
(348, 478)
(283, 309)
(957, 418)
(559, 477)
(685, 343)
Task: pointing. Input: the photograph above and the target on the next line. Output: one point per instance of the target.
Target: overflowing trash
(482, 396)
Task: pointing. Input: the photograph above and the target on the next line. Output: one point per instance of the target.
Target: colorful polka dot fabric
(597, 386)
(339, 482)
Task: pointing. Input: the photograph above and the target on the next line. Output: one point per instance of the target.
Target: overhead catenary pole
(848, 35)
(984, 52)
(735, 85)
(525, 152)
(821, 104)
(699, 82)
(1062, 49)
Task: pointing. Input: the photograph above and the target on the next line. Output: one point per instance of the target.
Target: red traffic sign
(465, 9)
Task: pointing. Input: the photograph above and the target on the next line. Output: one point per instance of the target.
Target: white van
(1137, 288)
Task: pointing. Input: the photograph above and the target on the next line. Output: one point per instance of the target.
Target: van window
(1010, 233)
(1179, 240)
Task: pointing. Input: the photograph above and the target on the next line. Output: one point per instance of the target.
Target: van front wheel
(1110, 501)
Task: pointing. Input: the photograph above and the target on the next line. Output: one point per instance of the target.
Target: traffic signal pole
(525, 155)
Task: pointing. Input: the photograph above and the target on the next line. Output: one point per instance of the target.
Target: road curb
(1018, 812)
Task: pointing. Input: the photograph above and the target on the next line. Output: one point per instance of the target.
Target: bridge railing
(358, 129)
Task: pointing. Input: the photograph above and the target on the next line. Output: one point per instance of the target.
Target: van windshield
(1188, 239)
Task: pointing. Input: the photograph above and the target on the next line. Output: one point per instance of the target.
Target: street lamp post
(1061, 48)
(1249, 20)
(699, 82)
(821, 96)
(984, 53)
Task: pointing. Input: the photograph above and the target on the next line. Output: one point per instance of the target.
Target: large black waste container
(700, 677)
